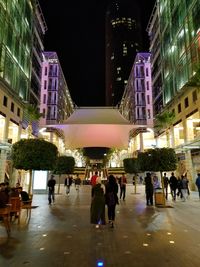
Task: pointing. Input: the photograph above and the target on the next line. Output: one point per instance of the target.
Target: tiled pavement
(61, 235)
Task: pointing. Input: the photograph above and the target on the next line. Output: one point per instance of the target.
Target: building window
(137, 72)
(147, 72)
(44, 99)
(43, 113)
(141, 71)
(12, 108)
(45, 84)
(18, 112)
(148, 99)
(186, 102)
(194, 96)
(147, 85)
(5, 101)
(179, 108)
(148, 113)
(45, 71)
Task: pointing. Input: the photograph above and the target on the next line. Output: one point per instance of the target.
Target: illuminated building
(177, 26)
(16, 42)
(38, 47)
(153, 30)
(123, 41)
(136, 104)
(55, 101)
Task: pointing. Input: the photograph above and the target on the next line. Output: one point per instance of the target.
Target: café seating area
(12, 212)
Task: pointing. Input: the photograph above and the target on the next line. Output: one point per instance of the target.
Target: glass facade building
(180, 44)
(16, 24)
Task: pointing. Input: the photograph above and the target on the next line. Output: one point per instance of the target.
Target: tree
(163, 121)
(64, 165)
(158, 160)
(33, 154)
(33, 116)
(130, 165)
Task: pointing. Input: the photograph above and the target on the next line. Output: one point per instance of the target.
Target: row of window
(186, 101)
(12, 106)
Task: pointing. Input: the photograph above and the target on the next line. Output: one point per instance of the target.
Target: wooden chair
(5, 216)
(15, 208)
(28, 206)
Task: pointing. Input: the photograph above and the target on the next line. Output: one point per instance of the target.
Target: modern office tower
(153, 30)
(179, 48)
(136, 104)
(123, 41)
(39, 30)
(16, 24)
(55, 102)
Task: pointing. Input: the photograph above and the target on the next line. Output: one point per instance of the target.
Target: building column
(141, 142)
(5, 134)
(191, 174)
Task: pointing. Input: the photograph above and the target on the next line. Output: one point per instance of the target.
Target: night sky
(76, 31)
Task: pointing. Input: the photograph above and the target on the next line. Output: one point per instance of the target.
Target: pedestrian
(68, 183)
(97, 209)
(93, 181)
(184, 187)
(148, 189)
(179, 187)
(77, 182)
(166, 183)
(173, 185)
(111, 198)
(51, 194)
(122, 183)
(198, 183)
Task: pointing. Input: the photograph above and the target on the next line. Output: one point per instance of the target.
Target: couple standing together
(103, 196)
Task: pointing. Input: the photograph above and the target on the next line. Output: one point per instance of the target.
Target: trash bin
(159, 197)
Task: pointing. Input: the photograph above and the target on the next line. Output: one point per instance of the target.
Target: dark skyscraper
(123, 41)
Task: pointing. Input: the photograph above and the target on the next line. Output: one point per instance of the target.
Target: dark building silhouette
(123, 41)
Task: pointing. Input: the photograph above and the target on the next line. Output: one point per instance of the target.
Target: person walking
(111, 198)
(173, 185)
(149, 189)
(122, 183)
(198, 183)
(97, 208)
(184, 187)
(179, 187)
(68, 183)
(51, 194)
(77, 182)
(93, 181)
(166, 183)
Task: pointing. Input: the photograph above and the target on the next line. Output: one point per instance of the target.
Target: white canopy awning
(96, 127)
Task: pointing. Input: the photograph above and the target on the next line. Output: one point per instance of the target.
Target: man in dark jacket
(68, 183)
(173, 185)
(51, 184)
(149, 189)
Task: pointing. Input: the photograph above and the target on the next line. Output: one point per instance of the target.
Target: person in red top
(93, 180)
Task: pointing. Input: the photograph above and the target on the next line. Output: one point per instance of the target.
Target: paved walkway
(61, 235)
